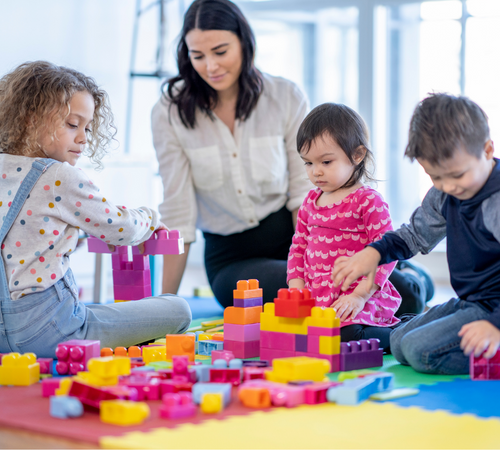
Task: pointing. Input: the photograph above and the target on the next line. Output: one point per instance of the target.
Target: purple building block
(301, 342)
(73, 355)
(247, 302)
(235, 332)
(363, 354)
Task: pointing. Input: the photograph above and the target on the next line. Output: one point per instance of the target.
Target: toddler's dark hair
(443, 123)
(347, 128)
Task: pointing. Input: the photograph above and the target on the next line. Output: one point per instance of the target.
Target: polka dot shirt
(37, 248)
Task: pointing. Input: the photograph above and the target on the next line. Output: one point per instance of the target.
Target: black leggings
(262, 253)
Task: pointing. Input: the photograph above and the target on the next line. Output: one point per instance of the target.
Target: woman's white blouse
(224, 183)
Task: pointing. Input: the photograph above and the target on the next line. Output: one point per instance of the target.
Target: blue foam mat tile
(458, 397)
(202, 307)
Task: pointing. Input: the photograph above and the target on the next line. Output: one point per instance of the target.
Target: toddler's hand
(162, 226)
(348, 305)
(479, 336)
(349, 269)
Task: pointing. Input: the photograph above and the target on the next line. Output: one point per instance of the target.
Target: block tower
(293, 326)
(241, 321)
(132, 279)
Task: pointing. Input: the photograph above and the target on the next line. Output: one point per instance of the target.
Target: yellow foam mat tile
(370, 425)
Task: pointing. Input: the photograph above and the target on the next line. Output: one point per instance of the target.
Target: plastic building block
(361, 354)
(63, 407)
(293, 303)
(147, 389)
(232, 376)
(153, 353)
(236, 364)
(174, 386)
(140, 262)
(254, 373)
(212, 323)
(203, 372)
(95, 245)
(180, 344)
(242, 316)
(211, 402)
(106, 351)
(203, 388)
(485, 369)
(131, 292)
(277, 341)
(247, 349)
(352, 392)
(255, 397)
(177, 406)
(324, 318)
(298, 368)
(323, 331)
(315, 393)
(394, 394)
(270, 354)
(235, 332)
(253, 363)
(120, 351)
(220, 336)
(206, 347)
(131, 277)
(90, 395)
(222, 354)
(281, 394)
(73, 355)
(329, 345)
(110, 366)
(163, 242)
(45, 365)
(64, 386)
(300, 342)
(247, 289)
(247, 302)
(19, 370)
(123, 412)
(134, 352)
(49, 386)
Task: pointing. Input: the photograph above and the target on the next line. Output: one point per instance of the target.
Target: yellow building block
(123, 412)
(95, 380)
(211, 403)
(323, 318)
(268, 321)
(19, 370)
(64, 386)
(109, 366)
(154, 353)
(299, 368)
(329, 345)
(204, 337)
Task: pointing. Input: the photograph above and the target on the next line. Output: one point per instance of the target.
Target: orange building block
(134, 352)
(106, 351)
(120, 351)
(180, 345)
(255, 397)
(242, 316)
(247, 289)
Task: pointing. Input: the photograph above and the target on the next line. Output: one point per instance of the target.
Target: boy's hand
(479, 336)
(348, 305)
(350, 269)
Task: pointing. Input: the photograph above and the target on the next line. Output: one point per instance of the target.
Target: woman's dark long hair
(195, 92)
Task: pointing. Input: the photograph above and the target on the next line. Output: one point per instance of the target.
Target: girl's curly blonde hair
(34, 99)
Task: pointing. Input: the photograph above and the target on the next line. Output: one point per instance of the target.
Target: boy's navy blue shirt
(472, 228)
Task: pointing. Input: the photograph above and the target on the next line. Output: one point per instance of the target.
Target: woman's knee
(179, 310)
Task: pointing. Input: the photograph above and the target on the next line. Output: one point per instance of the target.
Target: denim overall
(38, 322)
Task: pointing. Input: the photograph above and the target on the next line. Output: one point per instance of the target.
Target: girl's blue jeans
(38, 322)
(430, 342)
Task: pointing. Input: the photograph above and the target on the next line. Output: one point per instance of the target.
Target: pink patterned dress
(326, 232)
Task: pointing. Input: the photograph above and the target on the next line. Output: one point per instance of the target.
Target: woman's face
(217, 57)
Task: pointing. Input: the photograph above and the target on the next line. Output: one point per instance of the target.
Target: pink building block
(313, 343)
(323, 331)
(234, 332)
(49, 386)
(275, 340)
(268, 354)
(140, 262)
(222, 354)
(132, 277)
(485, 369)
(73, 355)
(232, 376)
(163, 242)
(119, 259)
(45, 365)
(254, 373)
(173, 387)
(281, 394)
(131, 292)
(247, 349)
(177, 406)
(181, 371)
(95, 245)
(315, 393)
(147, 389)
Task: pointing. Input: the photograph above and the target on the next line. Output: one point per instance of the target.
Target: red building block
(254, 373)
(226, 376)
(73, 355)
(247, 289)
(485, 369)
(315, 393)
(293, 303)
(177, 406)
(90, 395)
(247, 349)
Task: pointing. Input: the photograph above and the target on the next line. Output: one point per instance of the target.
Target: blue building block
(206, 347)
(212, 388)
(203, 372)
(236, 364)
(385, 381)
(63, 407)
(353, 391)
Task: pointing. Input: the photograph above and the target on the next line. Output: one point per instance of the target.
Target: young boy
(449, 137)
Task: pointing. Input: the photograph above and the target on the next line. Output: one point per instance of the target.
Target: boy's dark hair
(441, 123)
(346, 127)
(194, 92)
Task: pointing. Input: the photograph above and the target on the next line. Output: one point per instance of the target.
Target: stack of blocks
(132, 279)
(293, 326)
(241, 321)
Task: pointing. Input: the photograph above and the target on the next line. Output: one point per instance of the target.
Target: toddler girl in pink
(339, 218)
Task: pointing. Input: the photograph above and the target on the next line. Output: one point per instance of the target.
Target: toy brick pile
(132, 279)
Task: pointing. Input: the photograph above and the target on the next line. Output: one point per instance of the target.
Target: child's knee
(413, 352)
